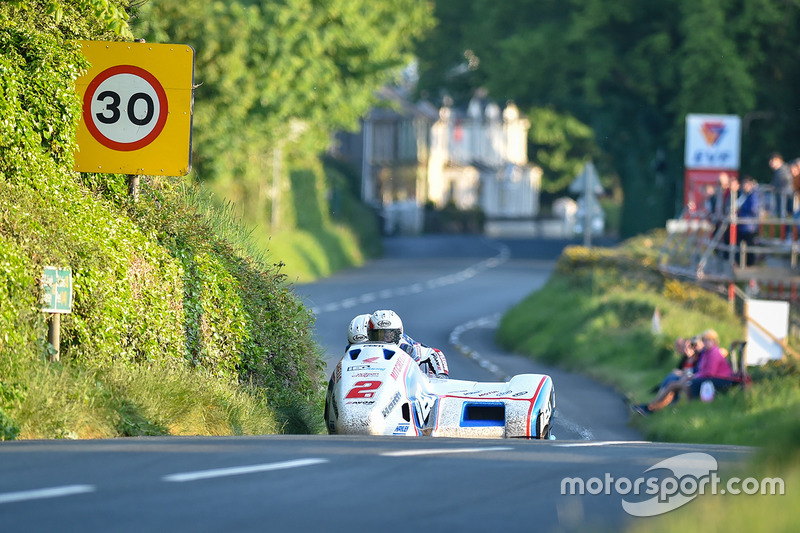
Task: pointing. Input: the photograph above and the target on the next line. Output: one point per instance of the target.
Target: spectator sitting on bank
(712, 366)
(688, 350)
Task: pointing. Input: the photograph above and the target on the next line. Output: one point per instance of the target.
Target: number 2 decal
(363, 389)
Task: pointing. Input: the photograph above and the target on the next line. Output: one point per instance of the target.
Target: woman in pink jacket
(713, 367)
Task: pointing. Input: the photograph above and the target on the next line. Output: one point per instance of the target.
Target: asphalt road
(449, 292)
(313, 483)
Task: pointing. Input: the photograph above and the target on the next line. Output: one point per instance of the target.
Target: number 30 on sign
(125, 108)
(137, 109)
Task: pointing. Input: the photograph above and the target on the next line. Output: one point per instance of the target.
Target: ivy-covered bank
(178, 327)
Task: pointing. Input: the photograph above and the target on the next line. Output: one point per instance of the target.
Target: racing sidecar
(377, 389)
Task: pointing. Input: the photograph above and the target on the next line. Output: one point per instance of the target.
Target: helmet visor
(385, 335)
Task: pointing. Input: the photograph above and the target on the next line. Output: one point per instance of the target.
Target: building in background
(410, 154)
(479, 158)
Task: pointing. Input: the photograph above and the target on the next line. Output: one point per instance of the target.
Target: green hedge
(166, 284)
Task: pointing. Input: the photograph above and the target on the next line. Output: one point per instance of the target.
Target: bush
(166, 286)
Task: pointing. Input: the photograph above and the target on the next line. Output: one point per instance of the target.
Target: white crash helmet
(385, 326)
(357, 331)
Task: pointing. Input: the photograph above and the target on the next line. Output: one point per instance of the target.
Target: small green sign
(57, 290)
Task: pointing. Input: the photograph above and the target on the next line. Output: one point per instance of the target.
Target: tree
(446, 63)
(560, 145)
(261, 65)
(275, 78)
(632, 70)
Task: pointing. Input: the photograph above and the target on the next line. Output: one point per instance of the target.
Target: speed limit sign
(125, 108)
(137, 109)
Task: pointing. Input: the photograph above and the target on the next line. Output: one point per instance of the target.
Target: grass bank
(180, 324)
(595, 316)
(328, 227)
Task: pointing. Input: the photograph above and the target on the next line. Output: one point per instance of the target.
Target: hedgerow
(159, 284)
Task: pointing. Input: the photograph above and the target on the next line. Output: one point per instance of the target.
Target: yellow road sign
(137, 109)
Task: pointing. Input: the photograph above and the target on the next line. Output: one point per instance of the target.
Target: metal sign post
(712, 147)
(56, 300)
(587, 185)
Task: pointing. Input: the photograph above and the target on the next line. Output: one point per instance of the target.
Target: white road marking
(39, 494)
(491, 322)
(601, 443)
(449, 279)
(240, 470)
(441, 451)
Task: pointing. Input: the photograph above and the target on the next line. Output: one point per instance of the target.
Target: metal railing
(702, 244)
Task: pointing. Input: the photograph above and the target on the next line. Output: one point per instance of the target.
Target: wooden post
(54, 335)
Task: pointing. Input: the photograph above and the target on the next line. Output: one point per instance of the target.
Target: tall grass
(223, 218)
(123, 400)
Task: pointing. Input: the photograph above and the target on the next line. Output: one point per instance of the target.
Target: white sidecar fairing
(377, 389)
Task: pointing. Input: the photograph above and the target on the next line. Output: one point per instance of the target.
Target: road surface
(450, 292)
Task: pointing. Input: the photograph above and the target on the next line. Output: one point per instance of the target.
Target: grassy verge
(180, 325)
(321, 225)
(118, 401)
(595, 317)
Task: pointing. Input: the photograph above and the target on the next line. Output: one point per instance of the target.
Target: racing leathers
(430, 360)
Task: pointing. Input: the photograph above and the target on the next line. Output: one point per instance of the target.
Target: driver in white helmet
(386, 327)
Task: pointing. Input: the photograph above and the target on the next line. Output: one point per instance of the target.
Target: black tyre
(542, 433)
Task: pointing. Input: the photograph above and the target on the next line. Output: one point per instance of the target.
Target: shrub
(163, 286)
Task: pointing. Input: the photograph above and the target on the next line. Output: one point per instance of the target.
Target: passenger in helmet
(357, 331)
(385, 326)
